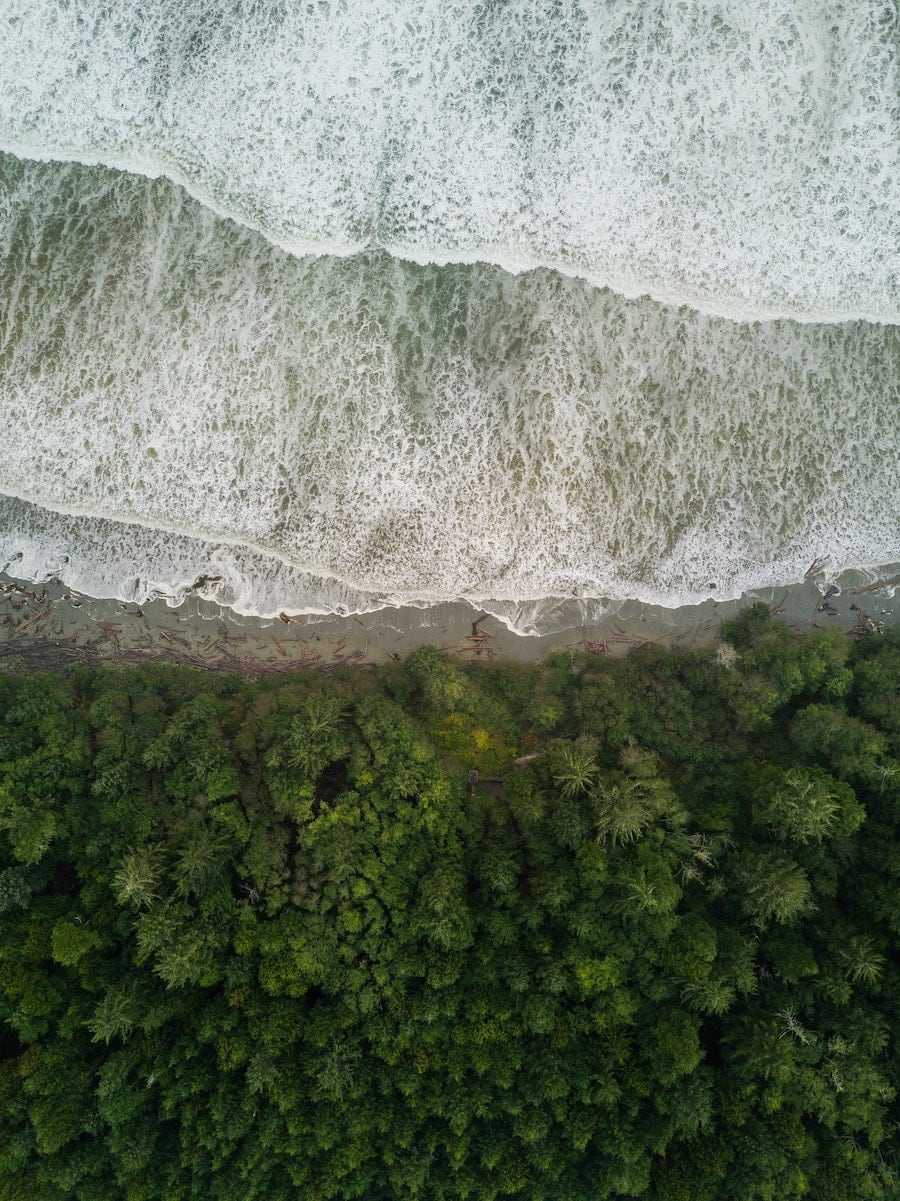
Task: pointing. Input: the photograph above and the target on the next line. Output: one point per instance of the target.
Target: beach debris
(777, 607)
(479, 643)
(205, 581)
(171, 636)
(878, 585)
(209, 645)
(595, 646)
(865, 625)
(524, 760)
(621, 636)
(32, 621)
(111, 631)
(815, 567)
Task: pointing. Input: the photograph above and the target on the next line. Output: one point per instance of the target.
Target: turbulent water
(353, 304)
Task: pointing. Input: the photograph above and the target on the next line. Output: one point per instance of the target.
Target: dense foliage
(263, 941)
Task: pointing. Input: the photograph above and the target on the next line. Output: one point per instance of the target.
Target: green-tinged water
(355, 423)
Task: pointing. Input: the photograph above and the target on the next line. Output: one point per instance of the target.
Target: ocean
(334, 306)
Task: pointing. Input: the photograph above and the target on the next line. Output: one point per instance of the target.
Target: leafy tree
(271, 939)
(771, 886)
(805, 805)
(850, 746)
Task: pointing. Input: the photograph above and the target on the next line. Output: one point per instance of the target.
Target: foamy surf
(742, 159)
(95, 557)
(398, 303)
(335, 434)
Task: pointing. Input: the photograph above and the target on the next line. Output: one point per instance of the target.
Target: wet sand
(47, 626)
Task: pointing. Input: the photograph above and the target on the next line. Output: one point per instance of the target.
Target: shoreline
(48, 626)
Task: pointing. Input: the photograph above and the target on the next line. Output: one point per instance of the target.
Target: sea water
(378, 303)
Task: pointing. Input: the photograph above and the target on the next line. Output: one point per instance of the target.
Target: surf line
(512, 260)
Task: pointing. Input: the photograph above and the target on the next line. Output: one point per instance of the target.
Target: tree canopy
(269, 940)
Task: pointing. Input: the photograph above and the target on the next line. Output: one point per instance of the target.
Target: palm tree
(575, 770)
(862, 963)
(138, 874)
(804, 808)
(624, 811)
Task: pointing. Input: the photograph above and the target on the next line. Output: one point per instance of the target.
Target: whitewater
(739, 158)
(380, 303)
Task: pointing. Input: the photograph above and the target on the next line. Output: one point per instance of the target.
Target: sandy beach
(47, 626)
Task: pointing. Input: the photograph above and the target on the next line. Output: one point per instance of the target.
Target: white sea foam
(743, 158)
(343, 433)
